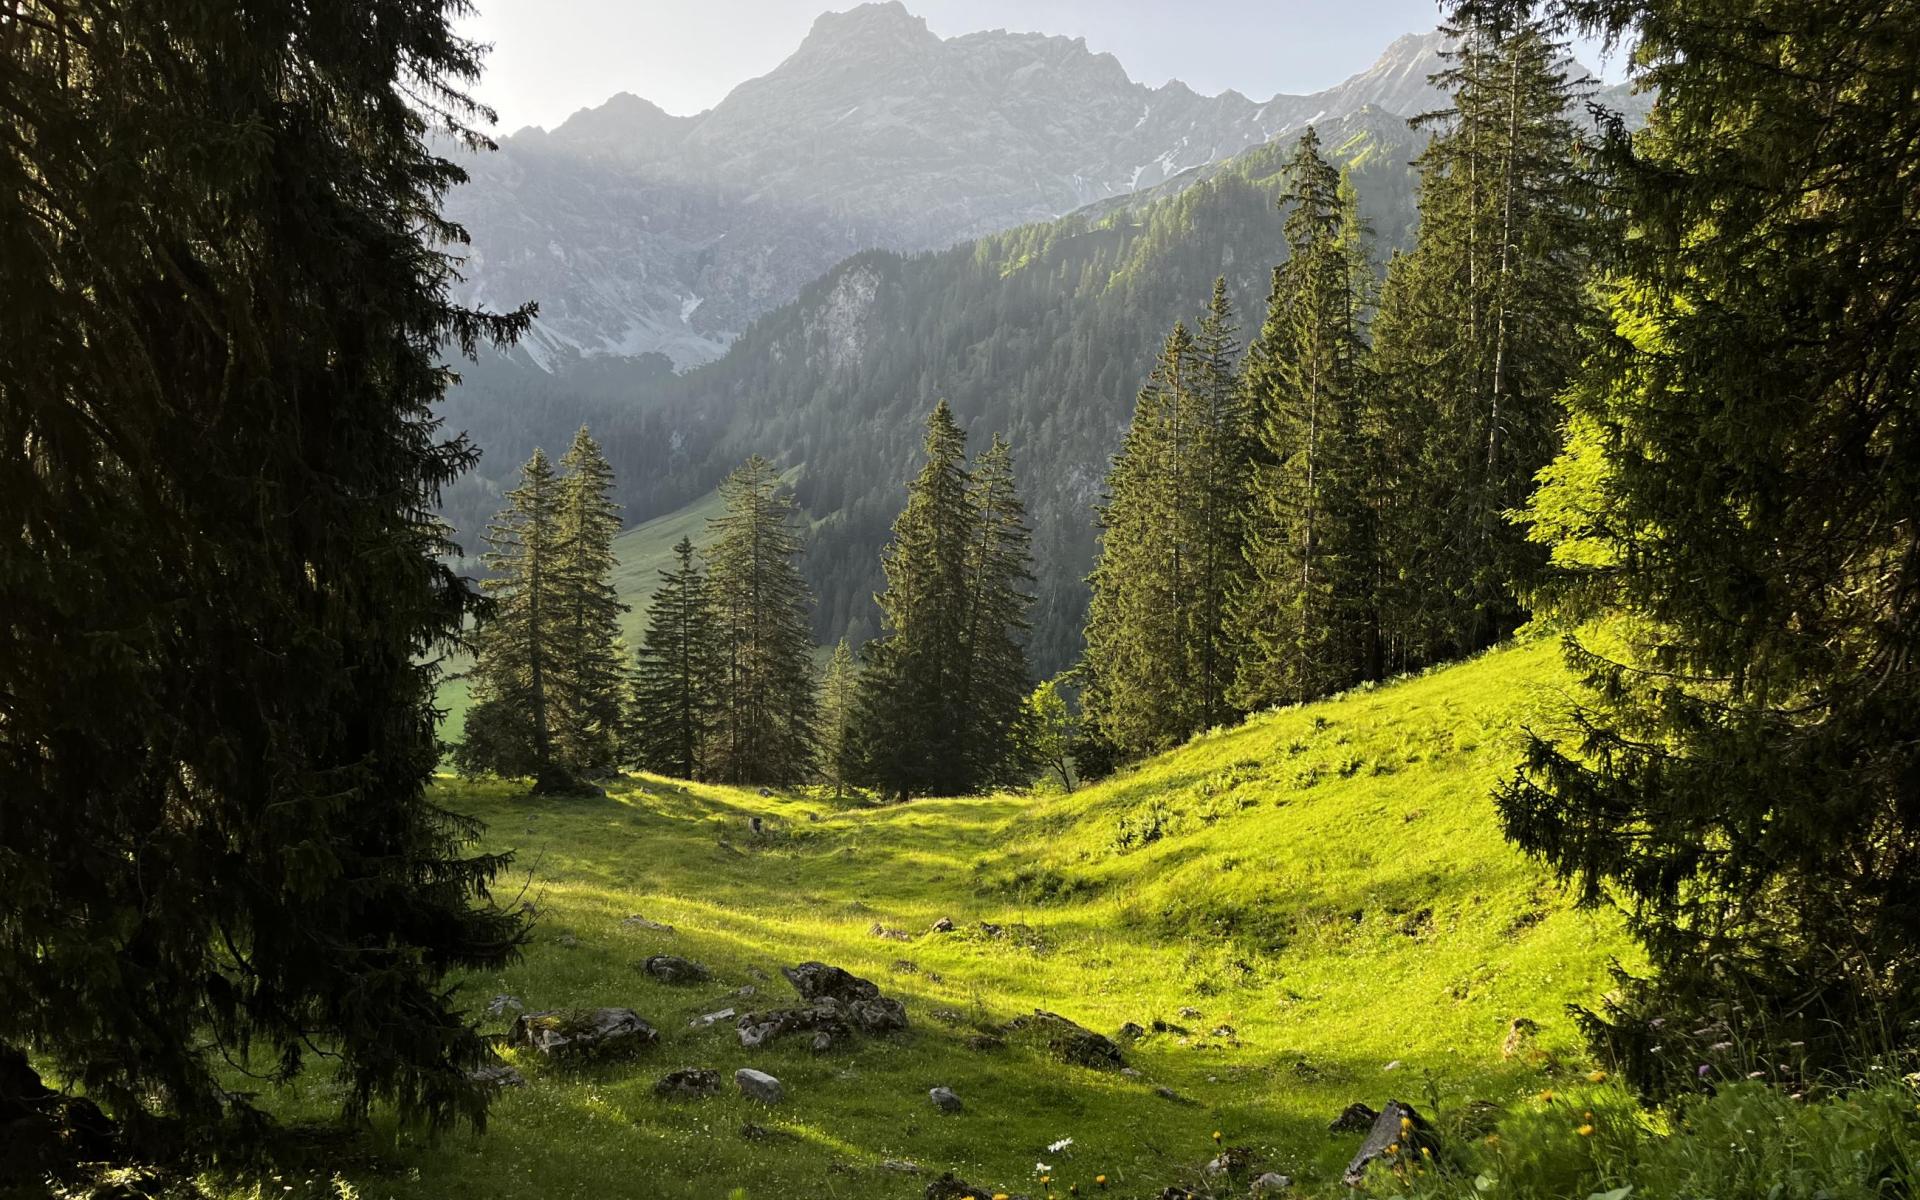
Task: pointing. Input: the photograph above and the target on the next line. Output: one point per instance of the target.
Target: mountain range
(642, 232)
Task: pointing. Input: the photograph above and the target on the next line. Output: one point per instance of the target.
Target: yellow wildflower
(1493, 1139)
(1597, 1077)
(1216, 1135)
(1393, 1148)
(1585, 1131)
(1547, 1096)
(1101, 1180)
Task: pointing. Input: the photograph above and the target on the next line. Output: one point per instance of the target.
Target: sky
(552, 58)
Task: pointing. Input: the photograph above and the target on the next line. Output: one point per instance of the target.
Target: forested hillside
(1044, 333)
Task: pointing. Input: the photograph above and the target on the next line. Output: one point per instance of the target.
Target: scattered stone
(986, 1041)
(1071, 1042)
(636, 921)
(837, 1005)
(758, 1085)
(1226, 1033)
(944, 1100)
(1190, 1013)
(950, 1187)
(1232, 1162)
(1132, 1032)
(904, 966)
(745, 990)
(892, 935)
(760, 1133)
(765, 793)
(899, 1166)
(576, 1033)
(1130, 1072)
(1355, 1118)
(503, 1004)
(1397, 1133)
(1392, 1066)
(948, 1016)
(497, 1077)
(1168, 1094)
(566, 941)
(1521, 1032)
(943, 925)
(1272, 1184)
(671, 968)
(1419, 924)
(1160, 1026)
(712, 1018)
(688, 1083)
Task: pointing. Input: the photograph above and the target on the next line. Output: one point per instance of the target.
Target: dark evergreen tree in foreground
(676, 681)
(764, 729)
(1736, 541)
(220, 345)
(1300, 615)
(942, 696)
(590, 709)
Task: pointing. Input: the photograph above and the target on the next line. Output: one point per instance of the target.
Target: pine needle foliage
(227, 300)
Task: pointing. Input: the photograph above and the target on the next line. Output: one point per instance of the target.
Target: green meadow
(1325, 886)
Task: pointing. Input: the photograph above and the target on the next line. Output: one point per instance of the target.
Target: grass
(1328, 881)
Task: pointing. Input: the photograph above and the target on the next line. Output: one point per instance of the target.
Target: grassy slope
(1329, 881)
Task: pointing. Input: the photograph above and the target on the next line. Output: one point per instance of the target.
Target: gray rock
(943, 925)
(758, 1085)
(1272, 1184)
(1132, 1032)
(900, 1166)
(1190, 1013)
(578, 1033)
(713, 1018)
(497, 1077)
(1400, 1127)
(1233, 1161)
(944, 1100)
(503, 1004)
(566, 941)
(688, 1083)
(671, 968)
(637, 921)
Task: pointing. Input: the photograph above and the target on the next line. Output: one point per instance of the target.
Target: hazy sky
(553, 57)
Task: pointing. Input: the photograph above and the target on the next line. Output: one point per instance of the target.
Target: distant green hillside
(1325, 887)
(1044, 332)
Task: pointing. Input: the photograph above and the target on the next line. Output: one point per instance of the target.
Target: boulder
(986, 1041)
(1071, 1042)
(1355, 1118)
(817, 980)
(1398, 1134)
(503, 1004)
(838, 1005)
(900, 1166)
(636, 921)
(1132, 1032)
(951, 1187)
(497, 1077)
(944, 1100)
(943, 925)
(1190, 1013)
(713, 1018)
(888, 933)
(671, 968)
(758, 1085)
(688, 1083)
(578, 1033)
(1234, 1162)
(1272, 1184)
(1519, 1042)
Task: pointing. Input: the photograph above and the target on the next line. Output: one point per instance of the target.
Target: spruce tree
(225, 324)
(1734, 543)
(839, 712)
(996, 677)
(590, 686)
(765, 726)
(915, 711)
(677, 678)
(519, 669)
(1307, 379)
(1220, 470)
(1480, 328)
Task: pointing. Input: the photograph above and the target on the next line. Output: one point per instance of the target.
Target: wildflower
(1597, 1077)
(1060, 1145)
(1216, 1136)
(999, 1196)
(1393, 1147)
(1101, 1180)
(1493, 1139)
(1585, 1131)
(1426, 1152)
(1406, 1123)
(1756, 1074)
(1546, 1097)
(1720, 1047)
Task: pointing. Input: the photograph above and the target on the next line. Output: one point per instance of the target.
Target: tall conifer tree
(677, 678)
(765, 726)
(590, 688)
(997, 678)
(839, 715)
(227, 313)
(1307, 378)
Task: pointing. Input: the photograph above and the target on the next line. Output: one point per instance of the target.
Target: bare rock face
(583, 1033)
(1398, 1133)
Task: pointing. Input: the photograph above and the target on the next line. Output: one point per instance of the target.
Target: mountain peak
(885, 25)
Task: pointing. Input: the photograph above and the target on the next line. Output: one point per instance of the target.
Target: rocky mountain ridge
(643, 232)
